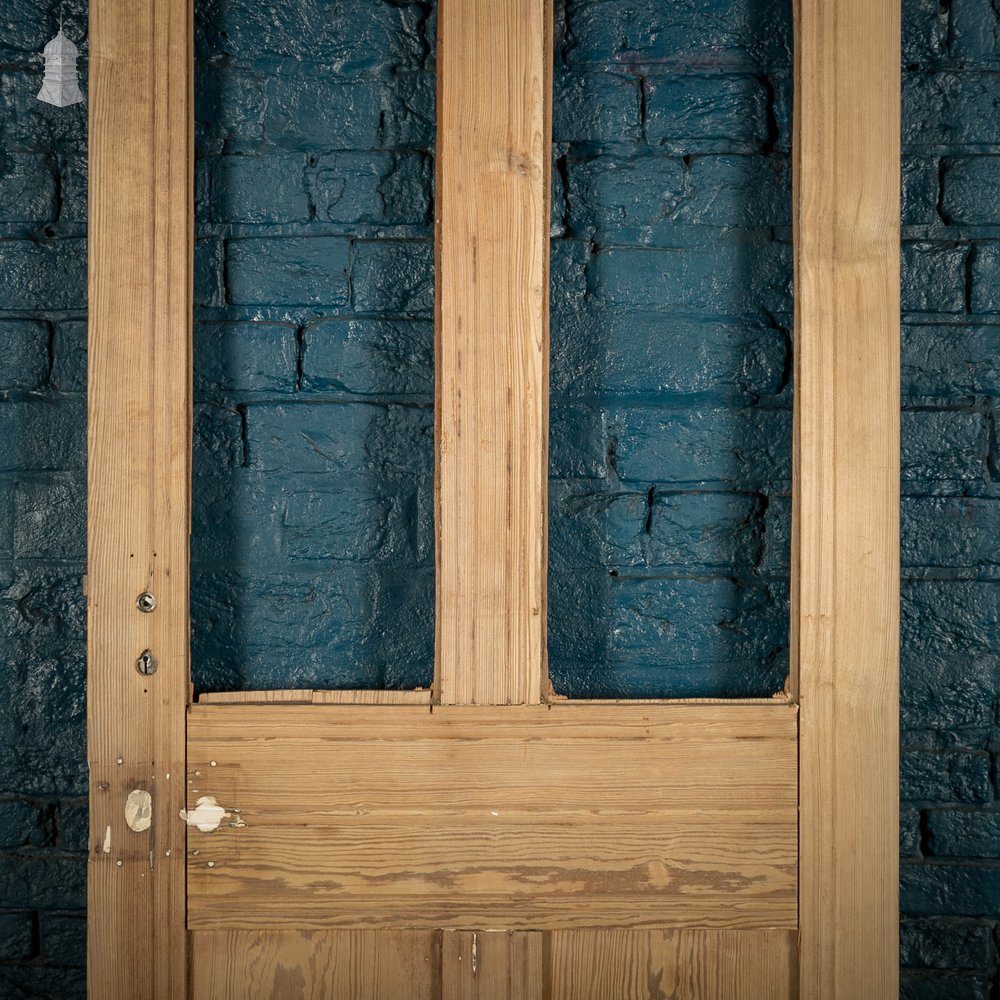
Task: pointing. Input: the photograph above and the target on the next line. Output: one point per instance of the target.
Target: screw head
(145, 602)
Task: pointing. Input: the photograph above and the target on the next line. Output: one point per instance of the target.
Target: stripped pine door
(488, 839)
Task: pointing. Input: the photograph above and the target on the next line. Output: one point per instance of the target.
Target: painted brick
(923, 986)
(369, 357)
(50, 519)
(409, 120)
(373, 38)
(20, 825)
(373, 188)
(578, 440)
(595, 107)
(985, 297)
(945, 944)
(946, 889)
(975, 33)
(236, 521)
(17, 937)
(53, 883)
(731, 278)
(37, 981)
(218, 438)
(301, 111)
(708, 114)
(610, 636)
(208, 268)
(27, 188)
(40, 276)
(313, 629)
(951, 360)
(63, 940)
(708, 35)
(909, 832)
(595, 352)
(621, 531)
(24, 120)
(73, 828)
(244, 357)
(950, 670)
(25, 27)
(303, 270)
(251, 189)
(69, 361)
(969, 190)
(701, 445)
(42, 435)
(228, 110)
(933, 278)
(952, 532)
(925, 31)
(951, 112)
(24, 361)
(394, 277)
(652, 199)
(964, 833)
(342, 440)
(73, 187)
(945, 777)
(942, 450)
(919, 194)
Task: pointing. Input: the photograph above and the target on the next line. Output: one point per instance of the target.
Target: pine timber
(491, 356)
(846, 577)
(515, 818)
(139, 440)
(690, 964)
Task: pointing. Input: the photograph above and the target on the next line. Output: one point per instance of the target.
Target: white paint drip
(139, 810)
(475, 951)
(107, 840)
(207, 814)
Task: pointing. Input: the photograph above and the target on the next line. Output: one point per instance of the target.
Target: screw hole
(145, 602)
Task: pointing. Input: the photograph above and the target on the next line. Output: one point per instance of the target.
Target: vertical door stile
(139, 442)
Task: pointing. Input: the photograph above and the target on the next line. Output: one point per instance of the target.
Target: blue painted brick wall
(671, 395)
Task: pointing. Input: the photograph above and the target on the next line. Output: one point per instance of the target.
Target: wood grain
(315, 965)
(491, 357)
(492, 965)
(846, 527)
(690, 964)
(515, 818)
(139, 430)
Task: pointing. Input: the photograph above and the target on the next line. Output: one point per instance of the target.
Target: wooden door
(490, 839)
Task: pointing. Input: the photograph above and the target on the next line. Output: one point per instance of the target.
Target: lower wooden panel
(493, 965)
(315, 965)
(521, 818)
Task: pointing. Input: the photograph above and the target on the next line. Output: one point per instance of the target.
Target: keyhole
(146, 664)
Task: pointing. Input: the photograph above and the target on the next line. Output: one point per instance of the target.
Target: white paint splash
(139, 810)
(207, 814)
(107, 840)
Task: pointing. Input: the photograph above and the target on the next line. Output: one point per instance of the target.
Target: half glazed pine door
(489, 839)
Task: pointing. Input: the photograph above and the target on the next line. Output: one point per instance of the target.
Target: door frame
(845, 561)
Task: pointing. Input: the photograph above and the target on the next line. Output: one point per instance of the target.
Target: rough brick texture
(671, 395)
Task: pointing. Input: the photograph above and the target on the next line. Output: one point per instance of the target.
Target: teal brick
(707, 114)
(369, 357)
(42, 276)
(27, 188)
(943, 450)
(945, 944)
(252, 189)
(964, 833)
(50, 519)
(42, 435)
(291, 271)
(63, 940)
(952, 889)
(985, 296)
(945, 777)
(595, 107)
(24, 359)
(305, 111)
(394, 277)
(951, 360)
(244, 358)
(933, 278)
(969, 190)
(17, 937)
